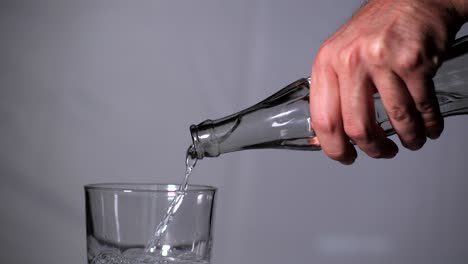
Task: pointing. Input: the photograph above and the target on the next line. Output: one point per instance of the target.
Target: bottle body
(282, 121)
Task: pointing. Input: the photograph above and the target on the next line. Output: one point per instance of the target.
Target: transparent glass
(121, 219)
(282, 121)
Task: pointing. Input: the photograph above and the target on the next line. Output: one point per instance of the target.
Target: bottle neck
(205, 140)
(279, 121)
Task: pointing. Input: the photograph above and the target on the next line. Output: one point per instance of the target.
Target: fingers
(359, 115)
(326, 118)
(342, 108)
(394, 48)
(415, 67)
(400, 107)
(423, 93)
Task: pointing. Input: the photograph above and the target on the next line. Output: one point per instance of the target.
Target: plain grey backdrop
(105, 91)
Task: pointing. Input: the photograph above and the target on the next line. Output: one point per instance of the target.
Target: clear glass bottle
(282, 121)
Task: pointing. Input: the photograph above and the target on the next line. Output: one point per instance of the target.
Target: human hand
(393, 47)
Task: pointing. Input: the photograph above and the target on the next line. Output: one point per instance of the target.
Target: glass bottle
(282, 121)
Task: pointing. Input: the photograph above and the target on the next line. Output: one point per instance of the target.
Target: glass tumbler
(122, 218)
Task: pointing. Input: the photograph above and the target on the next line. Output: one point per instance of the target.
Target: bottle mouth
(198, 153)
(205, 140)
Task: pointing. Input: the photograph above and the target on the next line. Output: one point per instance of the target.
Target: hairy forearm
(458, 7)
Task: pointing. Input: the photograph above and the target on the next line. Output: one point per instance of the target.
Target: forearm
(458, 8)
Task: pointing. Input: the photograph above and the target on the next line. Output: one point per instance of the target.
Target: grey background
(104, 91)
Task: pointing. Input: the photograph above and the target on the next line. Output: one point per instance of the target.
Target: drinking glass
(122, 218)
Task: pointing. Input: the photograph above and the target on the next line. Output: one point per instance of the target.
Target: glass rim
(147, 187)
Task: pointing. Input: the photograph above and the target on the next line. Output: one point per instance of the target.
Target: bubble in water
(111, 257)
(133, 252)
(135, 256)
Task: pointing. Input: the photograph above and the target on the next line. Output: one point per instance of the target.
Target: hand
(393, 47)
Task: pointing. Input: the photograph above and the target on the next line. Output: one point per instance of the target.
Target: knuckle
(324, 52)
(433, 121)
(434, 124)
(426, 106)
(324, 125)
(376, 52)
(365, 139)
(399, 113)
(410, 60)
(348, 58)
(358, 133)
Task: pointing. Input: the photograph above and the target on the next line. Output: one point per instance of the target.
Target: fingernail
(416, 145)
(395, 151)
(392, 155)
(433, 134)
(390, 149)
(347, 162)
